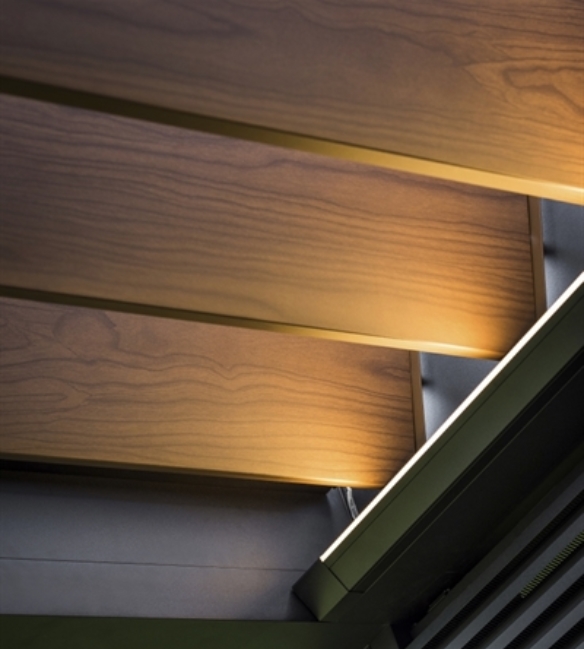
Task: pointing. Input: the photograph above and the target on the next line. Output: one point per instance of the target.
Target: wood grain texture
(82, 385)
(495, 86)
(114, 208)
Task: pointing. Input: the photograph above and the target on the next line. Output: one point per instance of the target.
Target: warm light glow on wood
(106, 207)
(485, 93)
(88, 386)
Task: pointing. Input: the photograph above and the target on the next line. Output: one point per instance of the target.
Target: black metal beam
(458, 497)
(43, 632)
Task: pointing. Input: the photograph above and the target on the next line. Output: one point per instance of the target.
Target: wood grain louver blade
(493, 90)
(89, 386)
(114, 208)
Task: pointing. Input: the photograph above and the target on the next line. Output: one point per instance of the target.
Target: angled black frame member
(459, 495)
(49, 632)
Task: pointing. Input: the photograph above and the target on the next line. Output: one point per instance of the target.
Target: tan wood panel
(114, 208)
(83, 385)
(496, 86)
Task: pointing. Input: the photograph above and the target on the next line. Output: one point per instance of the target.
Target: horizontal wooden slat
(495, 86)
(113, 208)
(90, 386)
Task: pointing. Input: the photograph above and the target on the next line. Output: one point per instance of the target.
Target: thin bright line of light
(578, 282)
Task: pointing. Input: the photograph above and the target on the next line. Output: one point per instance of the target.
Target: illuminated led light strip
(573, 288)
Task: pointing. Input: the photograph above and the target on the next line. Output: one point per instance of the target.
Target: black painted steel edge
(559, 333)
(56, 632)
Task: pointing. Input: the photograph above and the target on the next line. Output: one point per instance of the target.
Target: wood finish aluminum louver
(112, 208)
(151, 201)
(94, 387)
(489, 94)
